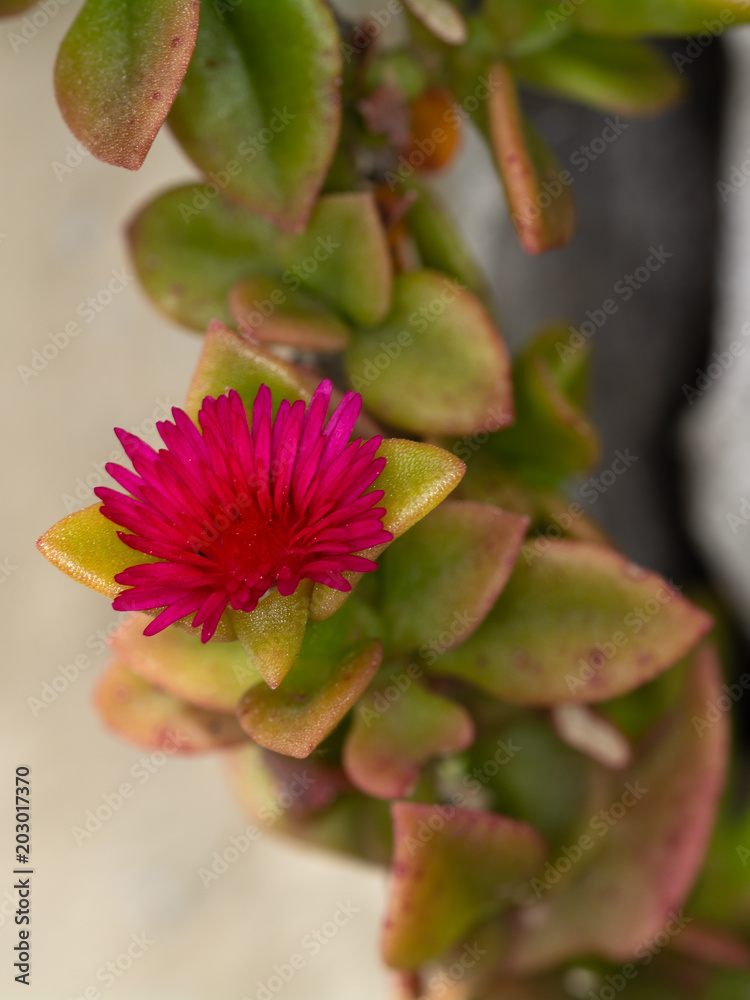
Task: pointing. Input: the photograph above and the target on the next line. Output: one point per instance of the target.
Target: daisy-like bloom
(231, 511)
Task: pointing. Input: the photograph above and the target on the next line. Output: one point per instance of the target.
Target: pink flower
(231, 512)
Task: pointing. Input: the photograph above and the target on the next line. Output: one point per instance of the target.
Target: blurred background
(122, 911)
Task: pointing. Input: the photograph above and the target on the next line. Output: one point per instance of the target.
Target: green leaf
(229, 362)
(576, 622)
(416, 478)
(311, 700)
(541, 206)
(272, 634)
(267, 312)
(437, 365)
(147, 716)
(646, 844)
(449, 867)
(551, 437)
(396, 731)
(517, 26)
(441, 579)
(118, 71)
(190, 250)
(611, 74)
(260, 109)
(441, 18)
(629, 18)
(211, 675)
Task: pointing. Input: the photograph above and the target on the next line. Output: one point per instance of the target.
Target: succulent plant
(531, 730)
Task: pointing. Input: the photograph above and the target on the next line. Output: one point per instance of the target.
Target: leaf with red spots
(118, 71)
(149, 717)
(650, 842)
(260, 108)
(576, 623)
(451, 869)
(266, 311)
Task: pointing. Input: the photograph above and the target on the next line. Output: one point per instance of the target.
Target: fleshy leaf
(85, 546)
(336, 663)
(669, 17)
(265, 311)
(416, 478)
(441, 18)
(210, 675)
(576, 622)
(118, 71)
(190, 250)
(607, 73)
(396, 731)
(229, 362)
(544, 217)
(442, 578)
(551, 437)
(143, 714)
(259, 110)
(449, 868)
(655, 829)
(272, 634)
(437, 365)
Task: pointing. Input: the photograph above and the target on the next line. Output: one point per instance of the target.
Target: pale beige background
(61, 238)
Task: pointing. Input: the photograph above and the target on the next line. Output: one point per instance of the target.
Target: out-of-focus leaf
(449, 867)
(576, 622)
(608, 73)
(437, 365)
(395, 731)
(540, 203)
(266, 311)
(143, 714)
(646, 846)
(444, 575)
(416, 478)
(667, 17)
(259, 110)
(119, 69)
(439, 244)
(209, 675)
(190, 249)
(441, 18)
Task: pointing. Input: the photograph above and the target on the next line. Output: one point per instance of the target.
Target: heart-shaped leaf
(265, 311)
(259, 110)
(608, 73)
(449, 869)
(272, 634)
(654, 828)
(396, 731)
(540, 203)
(416, 478)
(576, 622)
(140, 712)
(443, 576)
(441, 18)
(314, 697)
(229, 362)
(437, 365)
(210, 675)
(119, 69)
(191, 248)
